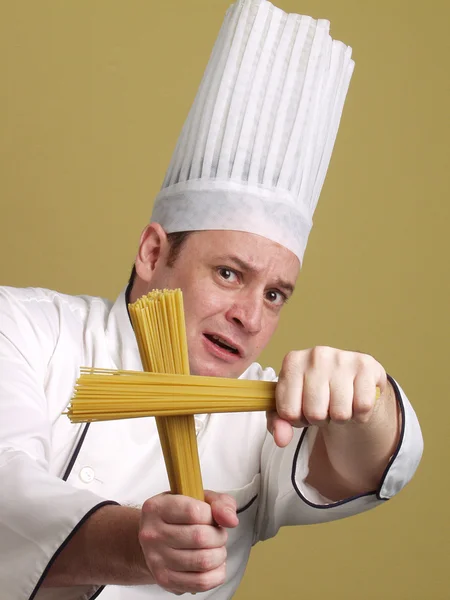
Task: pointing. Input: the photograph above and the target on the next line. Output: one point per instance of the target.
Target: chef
(84, 510)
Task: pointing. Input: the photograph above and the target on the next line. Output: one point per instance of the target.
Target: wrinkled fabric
(45, 337)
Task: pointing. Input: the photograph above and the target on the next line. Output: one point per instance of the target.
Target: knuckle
(193, 512)
(161, 576)
(208, 581)
(289, 413)
(362, 417)
(149, 536)
(365, 360)
(321, 354)
(290, 361)
(154, 561)
(204, 561)
(344, 358)
(363, 404)
(149, 506)
(340, 415)
(204, 583)
(199, 537)
(363, 407)
(316, 415)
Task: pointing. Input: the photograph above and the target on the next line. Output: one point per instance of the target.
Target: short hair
(176, 241)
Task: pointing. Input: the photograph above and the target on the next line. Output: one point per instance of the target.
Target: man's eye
(275, 297)
(227, 274)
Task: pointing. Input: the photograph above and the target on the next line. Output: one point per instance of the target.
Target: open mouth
(218, 341)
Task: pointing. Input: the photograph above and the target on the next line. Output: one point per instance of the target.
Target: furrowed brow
(244, 266)
(285, 286)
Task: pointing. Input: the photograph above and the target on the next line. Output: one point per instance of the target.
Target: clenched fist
(322, 385)
(184, 540)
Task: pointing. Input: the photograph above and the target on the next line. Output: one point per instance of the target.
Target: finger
(192, 582)
(223, 508)
(382, 380)
(225, 499)
(341, 398)
(289, 390)
(199, 561)
(177, 509)
(281, 430)
(364, 397)
(192, 537)
(316, 399)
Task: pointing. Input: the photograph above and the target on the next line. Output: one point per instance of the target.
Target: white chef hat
(256, 145)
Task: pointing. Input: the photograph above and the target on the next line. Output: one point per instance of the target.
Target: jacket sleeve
(38, 511)
(286, 499)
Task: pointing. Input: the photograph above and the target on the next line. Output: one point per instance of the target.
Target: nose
(247, 312)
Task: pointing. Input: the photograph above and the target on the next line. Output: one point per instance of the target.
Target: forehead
(256, 251)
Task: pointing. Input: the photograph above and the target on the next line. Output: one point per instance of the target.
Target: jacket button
(87, 474)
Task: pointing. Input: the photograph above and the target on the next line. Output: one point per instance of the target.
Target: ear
(153, 247)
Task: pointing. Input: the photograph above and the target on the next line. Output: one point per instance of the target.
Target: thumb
(280, 429)
(223, 508)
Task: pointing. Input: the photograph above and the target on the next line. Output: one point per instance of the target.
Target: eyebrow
(281, 283)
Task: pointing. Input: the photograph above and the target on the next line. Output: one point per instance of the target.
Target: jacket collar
(122, 343)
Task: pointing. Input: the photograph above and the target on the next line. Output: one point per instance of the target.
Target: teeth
(219, 339)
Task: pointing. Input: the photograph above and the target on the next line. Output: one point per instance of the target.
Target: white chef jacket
(45, 337)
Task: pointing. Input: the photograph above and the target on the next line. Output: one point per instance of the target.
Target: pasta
(165, 390)
(158, 321)
(137, 394)
(101, 395)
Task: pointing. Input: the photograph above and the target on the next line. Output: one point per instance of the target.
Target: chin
(216, 370)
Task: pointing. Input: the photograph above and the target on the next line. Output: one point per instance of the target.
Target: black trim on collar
(240, 510)
(64, 544)
(375, 492)
(76, 453)
(97, 593)
(127, 300)
(127, 293)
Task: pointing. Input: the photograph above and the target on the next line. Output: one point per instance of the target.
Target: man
(84, 507)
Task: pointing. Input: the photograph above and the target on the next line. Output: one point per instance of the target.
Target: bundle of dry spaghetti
(159, 326)
(105, 395)
(100, 395)
(165, 389)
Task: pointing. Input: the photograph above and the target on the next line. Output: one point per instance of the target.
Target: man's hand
(358, 433)
(174, 541)
(323, 385)
(183, 540)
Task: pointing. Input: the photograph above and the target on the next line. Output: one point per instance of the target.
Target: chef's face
(234, 287)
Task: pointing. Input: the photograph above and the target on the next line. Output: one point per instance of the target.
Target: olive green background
(93, 95)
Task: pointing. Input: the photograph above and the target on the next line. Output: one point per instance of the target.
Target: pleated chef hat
(256, 145)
